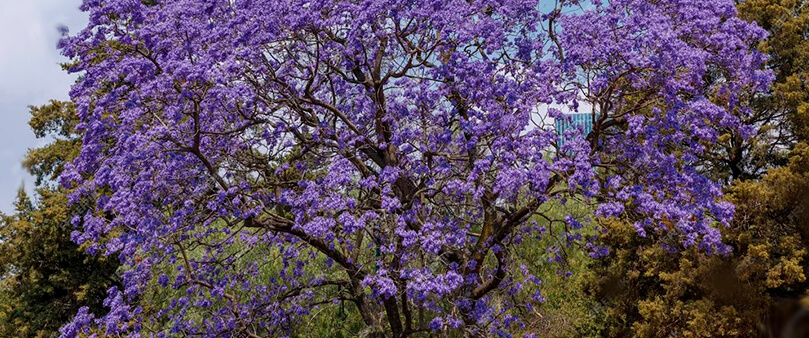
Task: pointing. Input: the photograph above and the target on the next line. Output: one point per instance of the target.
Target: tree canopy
(255, 161)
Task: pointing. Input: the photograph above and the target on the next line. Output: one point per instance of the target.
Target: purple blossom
(397, 147)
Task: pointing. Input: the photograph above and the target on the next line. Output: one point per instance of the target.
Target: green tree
(44, 276)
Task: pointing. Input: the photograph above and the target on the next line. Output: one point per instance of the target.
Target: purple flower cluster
(255, 159)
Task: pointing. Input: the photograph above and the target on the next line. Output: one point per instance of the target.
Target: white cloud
(29, 75)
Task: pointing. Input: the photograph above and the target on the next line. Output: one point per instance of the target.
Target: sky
(29, 75)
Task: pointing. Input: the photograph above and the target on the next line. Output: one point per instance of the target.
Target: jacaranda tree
(253, 161)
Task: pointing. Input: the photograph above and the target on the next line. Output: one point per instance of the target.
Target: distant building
(578, 119)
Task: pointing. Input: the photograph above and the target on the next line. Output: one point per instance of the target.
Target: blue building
(578, 119)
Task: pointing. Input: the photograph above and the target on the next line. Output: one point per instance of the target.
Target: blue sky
(29, 75)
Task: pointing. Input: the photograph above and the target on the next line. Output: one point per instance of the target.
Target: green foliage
(58, 120)
(788, 48)
(44, 276)
(567, 310)
(650, 292)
